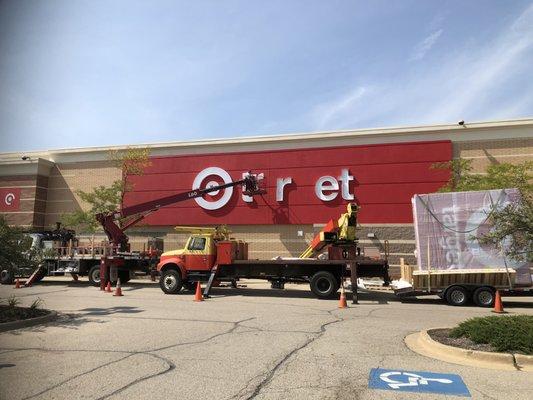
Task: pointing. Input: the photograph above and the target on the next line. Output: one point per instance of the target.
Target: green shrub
(504, 333)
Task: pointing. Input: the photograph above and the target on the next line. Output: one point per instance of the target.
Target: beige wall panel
(66, 179)
(485, 153)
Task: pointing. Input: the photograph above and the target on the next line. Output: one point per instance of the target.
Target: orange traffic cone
(498, 305)
(108, 287)
(17, 284)
(118, 291)
(198, 295)
(342, 300)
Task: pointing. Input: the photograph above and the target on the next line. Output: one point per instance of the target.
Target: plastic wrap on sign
(446, 227)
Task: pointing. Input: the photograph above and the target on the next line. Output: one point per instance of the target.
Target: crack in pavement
(76, 376)
(485, 395)
(269, 375)
(170, 364)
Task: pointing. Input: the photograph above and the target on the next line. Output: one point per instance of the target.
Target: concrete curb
(422, 343)
(524, 362)
(9, 326)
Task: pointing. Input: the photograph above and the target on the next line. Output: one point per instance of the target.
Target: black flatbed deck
(300, 261)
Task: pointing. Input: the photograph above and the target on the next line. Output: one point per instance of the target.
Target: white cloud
(481, 82)
(339, 108)
(425, 45)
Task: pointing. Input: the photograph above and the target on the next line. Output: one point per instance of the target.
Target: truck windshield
(197, 243)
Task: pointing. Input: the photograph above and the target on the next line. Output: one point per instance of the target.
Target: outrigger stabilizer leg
(210, 281)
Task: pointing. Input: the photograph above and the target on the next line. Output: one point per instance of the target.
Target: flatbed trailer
(459, 286)
(324, 276)
(84, 261)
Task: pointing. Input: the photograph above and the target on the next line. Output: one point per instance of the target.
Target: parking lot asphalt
(244, 343)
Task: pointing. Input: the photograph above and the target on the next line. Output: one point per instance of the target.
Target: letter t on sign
(345, 179)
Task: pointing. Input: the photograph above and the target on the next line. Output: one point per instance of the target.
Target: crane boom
(118, 237)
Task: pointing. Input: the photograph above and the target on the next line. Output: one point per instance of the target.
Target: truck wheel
(6, 277)
(457, 296)
(124, 276)
(324, 285)
(484, 297)
(170, 281)
(94, 275)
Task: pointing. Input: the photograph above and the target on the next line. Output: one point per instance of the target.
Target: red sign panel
(303, 186)
(9, 199)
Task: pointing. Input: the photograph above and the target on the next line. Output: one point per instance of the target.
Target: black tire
(457, 296)
(94, 275)
(484, 297)
(324, 284)
(124, 276)
(170, 281)
(6, 277)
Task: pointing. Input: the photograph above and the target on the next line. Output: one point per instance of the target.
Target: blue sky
(89, 73)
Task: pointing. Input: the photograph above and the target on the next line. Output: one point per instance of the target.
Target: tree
(102, 199)
(497, 176)
(13, 245)
(512, 230)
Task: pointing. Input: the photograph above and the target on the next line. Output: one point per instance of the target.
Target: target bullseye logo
(9, 199)
(214, 203)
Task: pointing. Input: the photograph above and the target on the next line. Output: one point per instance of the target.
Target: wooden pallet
(500, 278)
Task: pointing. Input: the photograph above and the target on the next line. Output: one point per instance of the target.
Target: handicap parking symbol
(417, 381)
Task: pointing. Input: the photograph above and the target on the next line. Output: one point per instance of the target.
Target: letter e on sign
(326, 183)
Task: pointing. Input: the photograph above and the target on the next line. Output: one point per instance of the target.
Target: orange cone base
(108, 287)
(118, 292)
(342, 301)
(198, 295)
(498, 305)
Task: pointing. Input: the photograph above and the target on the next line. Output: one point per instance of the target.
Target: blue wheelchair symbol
(416, 381)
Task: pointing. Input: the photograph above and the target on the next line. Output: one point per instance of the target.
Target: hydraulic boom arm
(118, 237)
(342, 230)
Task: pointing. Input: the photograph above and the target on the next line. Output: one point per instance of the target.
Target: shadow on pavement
(82, 283)
(67, 321)
(111, 310)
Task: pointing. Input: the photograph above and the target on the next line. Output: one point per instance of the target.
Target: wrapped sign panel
(446, 227)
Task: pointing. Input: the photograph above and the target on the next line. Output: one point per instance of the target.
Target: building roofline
(280, 138)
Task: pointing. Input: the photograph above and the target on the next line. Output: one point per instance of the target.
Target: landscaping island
(494, 342)
(14, 317)
(503, 334)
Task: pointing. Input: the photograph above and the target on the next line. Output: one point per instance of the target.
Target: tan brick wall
(32, 200)
(487, 152)
(66, 179)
